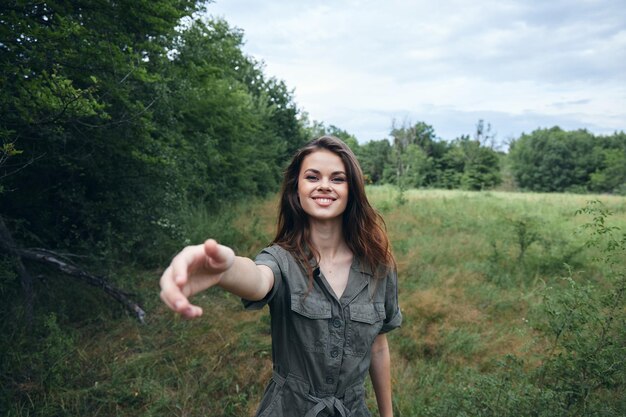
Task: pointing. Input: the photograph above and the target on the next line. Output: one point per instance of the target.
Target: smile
(323, 201)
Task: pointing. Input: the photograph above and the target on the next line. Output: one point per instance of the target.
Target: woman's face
(323, 185)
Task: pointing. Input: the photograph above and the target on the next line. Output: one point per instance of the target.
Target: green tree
(420, 134)
(418, 159)
(450, 168)
(412, 147)
(124, 121)
(79, 83)
(416, 166)
(610, 176)
(554, 160)
(224, 117)
(374, 157)
(481, 165)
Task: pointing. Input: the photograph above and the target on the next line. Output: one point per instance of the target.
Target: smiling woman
(322, 186)
(329, 279)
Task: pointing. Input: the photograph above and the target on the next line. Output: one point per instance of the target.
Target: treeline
(116, 117)
(546, 160)
(554, 160)
(415, 158)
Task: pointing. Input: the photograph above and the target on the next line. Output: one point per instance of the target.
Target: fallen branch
(60, 263)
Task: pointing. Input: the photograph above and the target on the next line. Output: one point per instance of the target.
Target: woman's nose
(324, 185)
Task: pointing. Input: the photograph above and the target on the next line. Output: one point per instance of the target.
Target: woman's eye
(338, 180)
(311, 178)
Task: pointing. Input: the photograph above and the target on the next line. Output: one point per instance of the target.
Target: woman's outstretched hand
(194, 269)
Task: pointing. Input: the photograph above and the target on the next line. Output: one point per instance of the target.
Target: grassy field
(476, 271)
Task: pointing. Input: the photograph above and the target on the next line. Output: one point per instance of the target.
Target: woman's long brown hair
(363, 227)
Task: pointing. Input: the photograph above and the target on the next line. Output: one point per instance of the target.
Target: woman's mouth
(323, 201)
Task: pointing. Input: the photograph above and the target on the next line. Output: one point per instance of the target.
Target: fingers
(187, 261)
(218, 257)
(174, 288)
(171, 292)
(192, 270)
(189, 311)
(182, 306)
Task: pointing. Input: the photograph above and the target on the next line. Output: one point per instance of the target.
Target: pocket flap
(311, 306)
(365, 313)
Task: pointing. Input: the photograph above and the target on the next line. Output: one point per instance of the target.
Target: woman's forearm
(247, 280)
(380, 374)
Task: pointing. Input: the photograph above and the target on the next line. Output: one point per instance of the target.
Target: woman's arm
(199, 267)
(380, 373)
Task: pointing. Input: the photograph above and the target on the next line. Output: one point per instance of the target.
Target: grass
(472, 268)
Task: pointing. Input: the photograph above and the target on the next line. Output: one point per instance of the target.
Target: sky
(519, 65)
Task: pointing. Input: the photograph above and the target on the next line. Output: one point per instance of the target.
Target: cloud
(564, 104)
(525, 64)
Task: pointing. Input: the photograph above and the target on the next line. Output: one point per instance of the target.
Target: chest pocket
(365, 323)
(310, 321)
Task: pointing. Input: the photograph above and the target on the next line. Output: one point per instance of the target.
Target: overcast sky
(519, 65)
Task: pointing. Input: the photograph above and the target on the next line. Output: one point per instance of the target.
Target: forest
(130, 129)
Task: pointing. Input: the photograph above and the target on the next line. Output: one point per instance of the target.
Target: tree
(418, 136)
(124, 122)
(418, 159)
(483, 134)
(374, 157)
(610, 175)
(554, 160)
(79, 82)
(222, 117)
(481, 165)
(416, 166)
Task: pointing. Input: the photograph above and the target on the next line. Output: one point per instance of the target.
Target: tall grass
(501, 294)
(477, 270)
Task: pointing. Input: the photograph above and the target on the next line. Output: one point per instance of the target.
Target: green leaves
(557, 160)
(417, 158)
(586, 323)
(124, 119)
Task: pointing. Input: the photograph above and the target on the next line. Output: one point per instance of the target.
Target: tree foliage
(416, 157)
(552, 159)
(123, 117)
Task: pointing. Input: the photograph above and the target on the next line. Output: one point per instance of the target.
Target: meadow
(512, 307)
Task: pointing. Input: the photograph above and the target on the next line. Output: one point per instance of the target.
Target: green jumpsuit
(320, 344)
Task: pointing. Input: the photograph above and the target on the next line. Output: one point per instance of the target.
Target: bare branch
(61, 263)
(29, 162)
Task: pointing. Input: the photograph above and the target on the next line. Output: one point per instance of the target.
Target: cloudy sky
(517, 64)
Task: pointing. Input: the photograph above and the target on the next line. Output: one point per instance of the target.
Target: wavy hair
(363, 227)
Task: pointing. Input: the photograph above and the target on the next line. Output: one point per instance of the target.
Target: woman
(330, 282)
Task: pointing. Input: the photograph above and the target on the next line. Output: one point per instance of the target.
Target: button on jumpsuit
(321, 344)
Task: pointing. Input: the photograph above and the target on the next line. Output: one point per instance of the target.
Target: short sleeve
(265, 257)
(393, 314)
